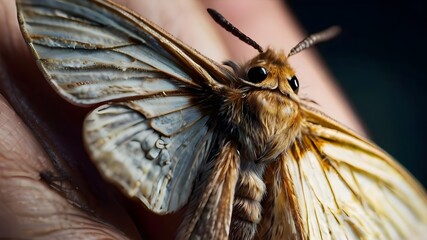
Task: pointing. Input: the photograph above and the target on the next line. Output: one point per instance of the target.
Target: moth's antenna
(233, 30)
(314, 39)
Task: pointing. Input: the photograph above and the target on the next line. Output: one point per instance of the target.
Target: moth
(235, 143)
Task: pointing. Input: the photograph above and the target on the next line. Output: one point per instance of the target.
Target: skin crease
(29, 208)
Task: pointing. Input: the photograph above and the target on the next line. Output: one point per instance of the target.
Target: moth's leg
(210, 210)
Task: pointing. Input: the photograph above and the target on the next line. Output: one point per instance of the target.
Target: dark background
(380, 62)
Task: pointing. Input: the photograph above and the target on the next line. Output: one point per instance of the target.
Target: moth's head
(270, 87)
(269, 73)
(270, 70)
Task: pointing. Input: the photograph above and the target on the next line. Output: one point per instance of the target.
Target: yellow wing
(332, 184)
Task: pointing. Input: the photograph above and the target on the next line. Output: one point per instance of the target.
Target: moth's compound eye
(293, 82)
(257, 74)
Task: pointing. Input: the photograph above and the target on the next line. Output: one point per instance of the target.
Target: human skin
(31, 207)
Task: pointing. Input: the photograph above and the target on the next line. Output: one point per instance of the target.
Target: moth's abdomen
(247, 207)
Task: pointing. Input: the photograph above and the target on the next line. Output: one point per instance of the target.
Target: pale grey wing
(334, 185)
(95, 51)
(155, 159)
(154, 132)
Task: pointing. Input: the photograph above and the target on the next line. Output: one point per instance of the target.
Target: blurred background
(380, 62)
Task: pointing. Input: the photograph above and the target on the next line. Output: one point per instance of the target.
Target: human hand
(29, 207)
